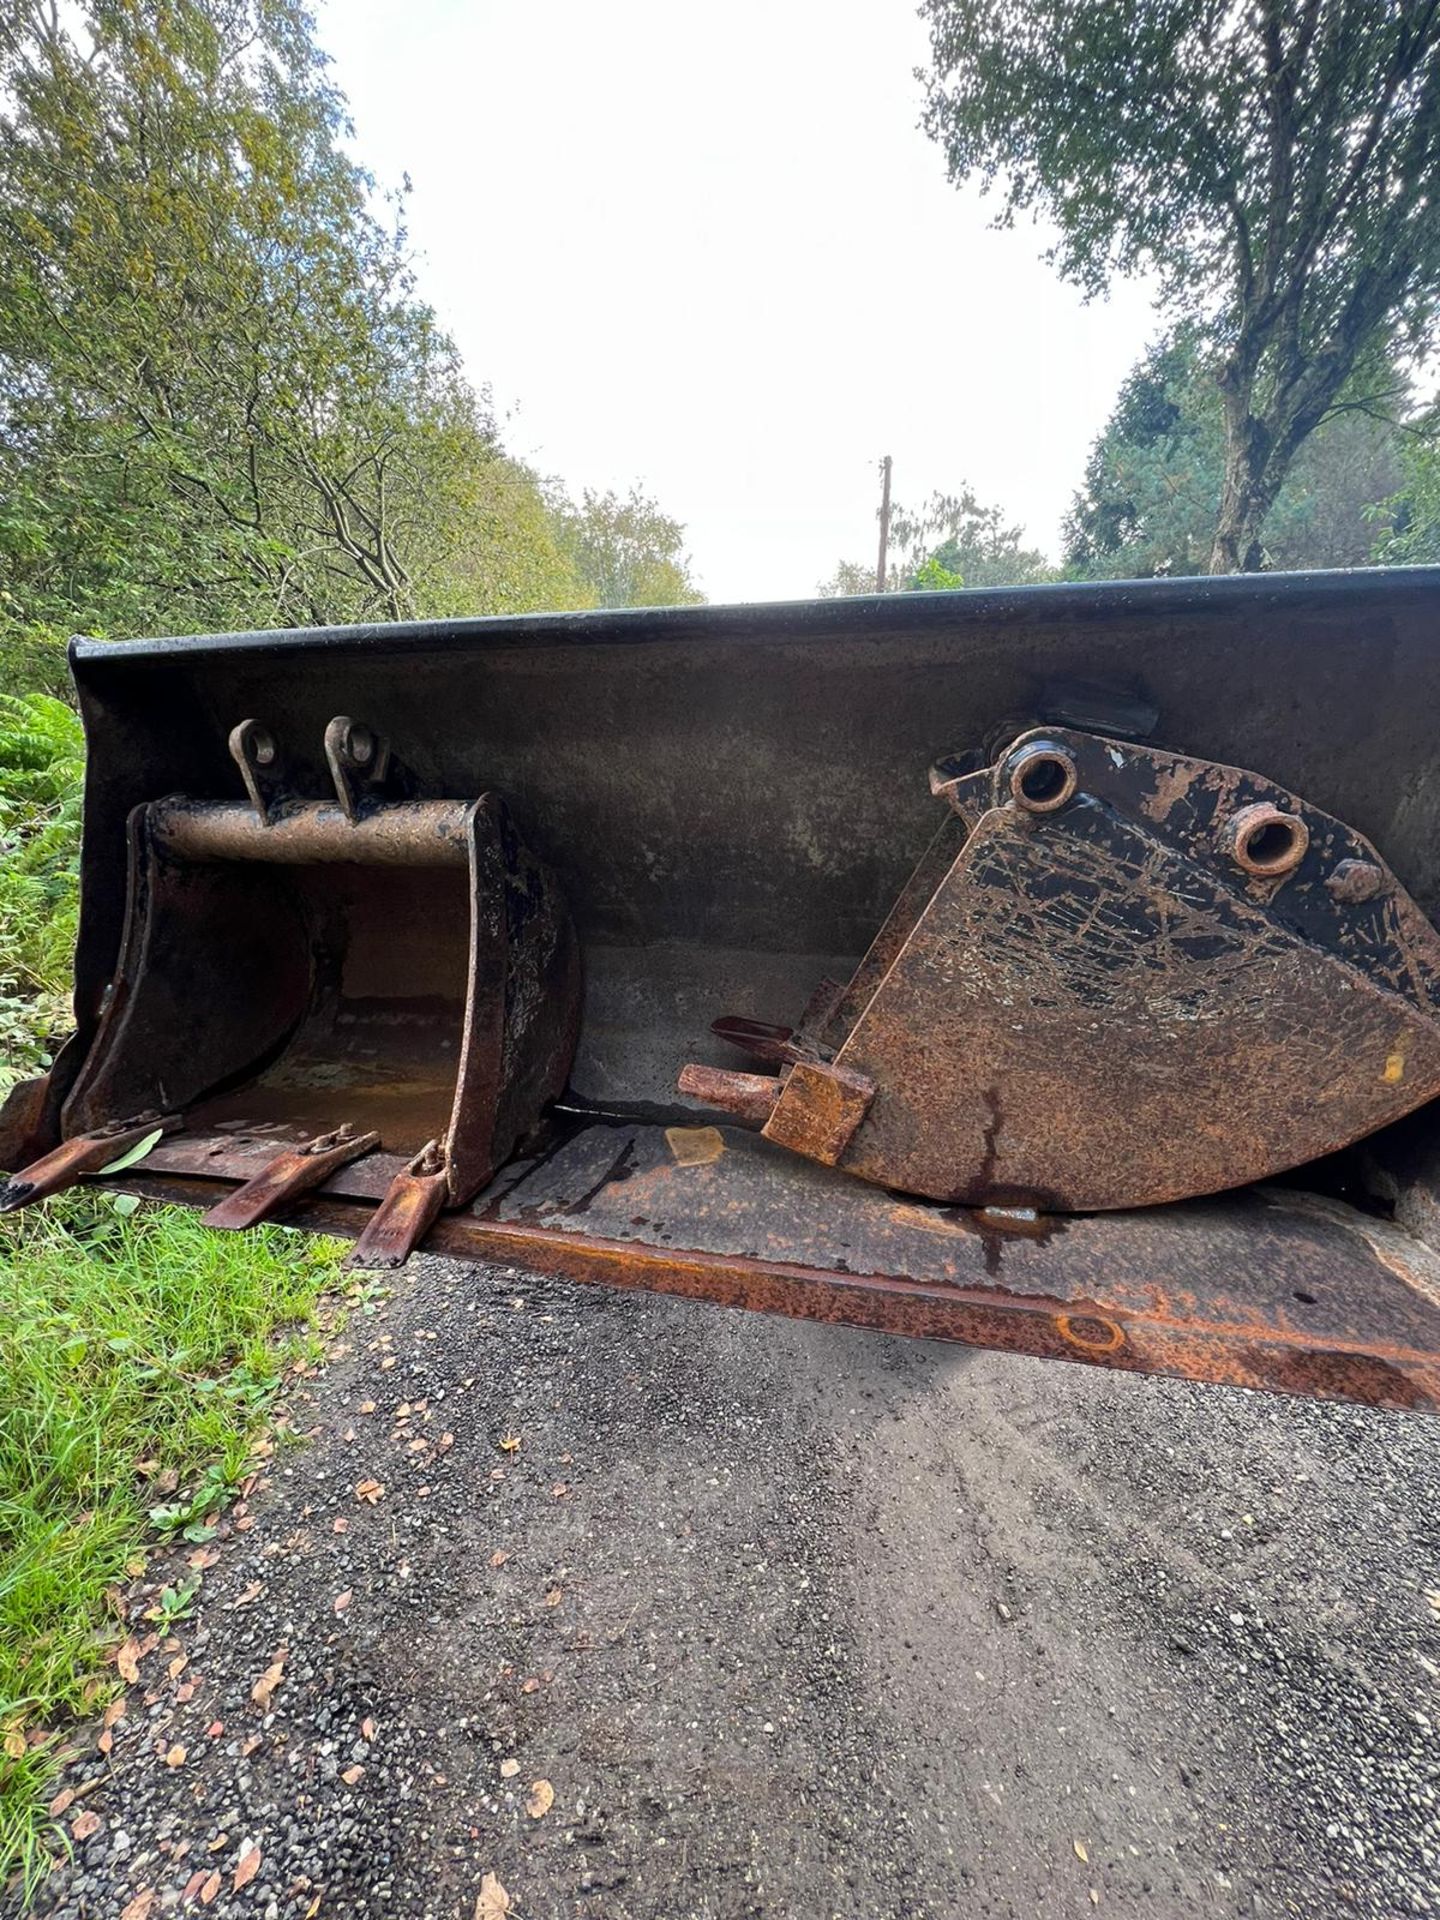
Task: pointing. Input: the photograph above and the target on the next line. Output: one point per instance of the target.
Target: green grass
(41, 771)
(137, 1353)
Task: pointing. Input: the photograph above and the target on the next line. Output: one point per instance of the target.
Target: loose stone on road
(599, 1605)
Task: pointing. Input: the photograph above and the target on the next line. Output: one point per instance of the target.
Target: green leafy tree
(1410, 534)
(951, 542)
(1153, 481)
(625, 552)
(221, 402)
(1276, 166)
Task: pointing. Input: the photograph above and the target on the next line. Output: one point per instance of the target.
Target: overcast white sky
(708, 249)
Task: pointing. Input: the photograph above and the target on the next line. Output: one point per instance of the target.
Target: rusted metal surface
(1143, 977)
(748, 1096)
(1274, 1290)
(406, 966)
(430, 833)
(819, 1110)
(293, 1171)
(74, 1158)
(412, 1200)
(732, 802)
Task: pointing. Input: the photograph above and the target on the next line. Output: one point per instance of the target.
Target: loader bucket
(1052, 970)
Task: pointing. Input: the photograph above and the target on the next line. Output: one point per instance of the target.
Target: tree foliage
(1276, 166)
(1411, 533)
(952, 541)
(625, 552)
(222, 402)
(1152, 486)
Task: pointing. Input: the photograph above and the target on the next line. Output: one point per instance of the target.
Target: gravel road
(794, 1622)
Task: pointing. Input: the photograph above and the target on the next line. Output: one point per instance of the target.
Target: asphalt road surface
(792, 1622)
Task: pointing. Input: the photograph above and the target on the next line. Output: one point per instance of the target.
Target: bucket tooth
(85, 1153)
(403, 1218)
(293, 1171)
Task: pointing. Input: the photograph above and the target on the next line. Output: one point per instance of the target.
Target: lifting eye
(1266, 842)
(1042, 778)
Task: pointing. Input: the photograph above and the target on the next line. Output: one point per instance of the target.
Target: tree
(1153, 481)
(221, 402)
(1411, 536)
(1275, 165)
(625, 552)
(952, 541)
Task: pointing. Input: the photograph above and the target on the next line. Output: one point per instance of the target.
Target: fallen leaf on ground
(127, 1660)
(559, 1490)
(367, 1729)
(366, 1406)
(370, 1490)
(244, 1523)
(1080, 1852)
(210, 1888)
(140, 1906)
(249, 1594)
(387, 1363)
(14, 1744)
(106, 1740)
(175, 1757)
(247, 1867)
(178, 1665)
(444, 1443)
(342, 1600)
(248, 1747)
(340, 1526)
(554, 1597)
(540, 1799)
(352, 1776)
(509, 1769)
(269, 1680)
(204, 1557)
(61, 1801)
(84, 1825)
(499, 1557)
(509, 1443)
(492, 1902)
(115, 1711)
(185, 1691)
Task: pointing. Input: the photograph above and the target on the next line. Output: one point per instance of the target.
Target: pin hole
(1043, 778)
(1271, 844)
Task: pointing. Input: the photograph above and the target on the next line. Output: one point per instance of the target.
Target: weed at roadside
(137, 1358)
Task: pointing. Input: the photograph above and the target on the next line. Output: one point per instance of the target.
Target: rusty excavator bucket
(1051, 969)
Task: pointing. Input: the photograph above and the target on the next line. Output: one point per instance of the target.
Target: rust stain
(695, 1146)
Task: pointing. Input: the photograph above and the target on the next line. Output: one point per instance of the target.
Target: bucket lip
(856, 616)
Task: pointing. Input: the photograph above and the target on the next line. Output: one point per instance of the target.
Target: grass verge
(139, 1353)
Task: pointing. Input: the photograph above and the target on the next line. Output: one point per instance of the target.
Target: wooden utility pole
(880, 565)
